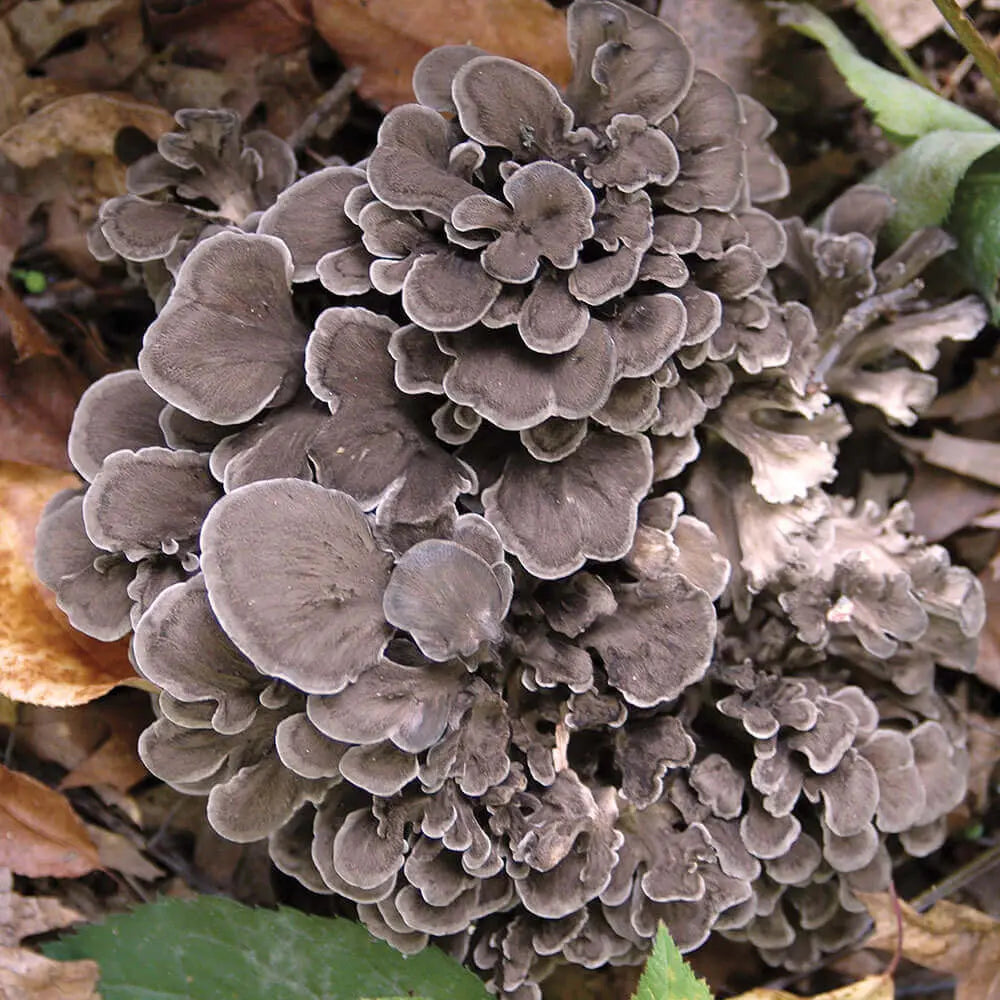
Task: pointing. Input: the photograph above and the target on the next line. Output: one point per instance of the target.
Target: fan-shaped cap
(227, 343)
(321, 589)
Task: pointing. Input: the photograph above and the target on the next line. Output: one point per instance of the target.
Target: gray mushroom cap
(624, 61)
(117, 411)
(554, 516)
(90, 588)
(179, 645)
(322, 588)
(149, 501)
(227, 343)
(309, 218)
(448, 597)
(548, 214)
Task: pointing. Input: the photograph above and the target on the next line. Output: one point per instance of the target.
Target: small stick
(973, 42)
(912, 70)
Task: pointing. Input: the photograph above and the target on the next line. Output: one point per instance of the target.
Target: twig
(957, 879)
(973, 42)
(332, 104)
(912, 70)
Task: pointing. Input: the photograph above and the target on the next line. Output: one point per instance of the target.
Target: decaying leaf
(988, 658)
(948, 938)
(944, 502)
(966, 456)
(83, 123)
(42, 659)
(984, 756)
(39, 832)
(25, 975)
(909, 21)
(119, 854)
(386, 38)
(869, 988)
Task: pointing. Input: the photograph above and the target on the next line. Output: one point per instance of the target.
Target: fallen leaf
(386, 38)
(947, 938)
(116, 761)
(983, 743)
(43, 659)
(84, 123)
(25, 975)
(119, 854)
(232, 30)
(943, 502)
(40, 834)
(909, 21)
(966, 456)
(988, 657)
(978, 398)
(869, 988)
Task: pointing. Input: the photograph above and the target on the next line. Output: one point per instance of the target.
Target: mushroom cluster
(206, 177)
(509, 604)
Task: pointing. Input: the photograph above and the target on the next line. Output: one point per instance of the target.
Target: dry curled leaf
(386, 38)
(25, 975)
(869, 988)
(947, 938)
(43, 660)
(84, 123)
(40, 834)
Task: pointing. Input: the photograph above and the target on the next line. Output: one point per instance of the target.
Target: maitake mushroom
(211, 175)
(439, 609)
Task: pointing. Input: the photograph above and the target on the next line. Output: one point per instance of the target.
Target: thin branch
(973, 42)
(905, 60)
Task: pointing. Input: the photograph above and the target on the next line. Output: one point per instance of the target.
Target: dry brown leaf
(966, 456)
(116, 761)
(39, 832)
(944, 502)
(978, 398)
(386, 38)
(869, 988)
(119, 854)
(25, 975)
(947, 938)
(988, 657)
(909, 21)
(43, 660)
(84, 123)
(984, 755)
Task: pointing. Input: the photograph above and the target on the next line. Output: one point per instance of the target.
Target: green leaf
(975, 223)
(925, 177)
(901, 107)
(667, 976)
(214, 949)
(34, 281)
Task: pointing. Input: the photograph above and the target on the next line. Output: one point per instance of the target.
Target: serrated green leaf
(902, 108)
(924, 178)
(667, 976)
(214, 949)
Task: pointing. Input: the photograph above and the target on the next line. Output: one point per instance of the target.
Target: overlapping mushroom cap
(209, 175)
(580, 269)
(435, 603)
